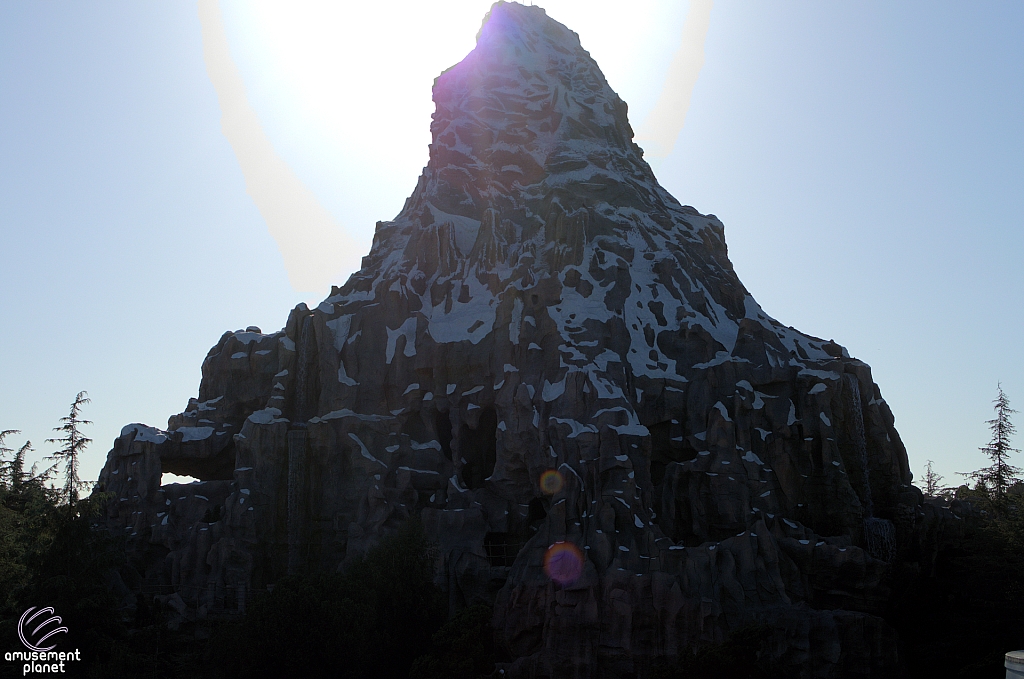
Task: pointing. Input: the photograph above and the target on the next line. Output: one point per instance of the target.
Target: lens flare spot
(563, 562)
(551, 482)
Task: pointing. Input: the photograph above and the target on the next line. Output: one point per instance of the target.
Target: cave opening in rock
(479, 448)
(167, 478)
(217, 467)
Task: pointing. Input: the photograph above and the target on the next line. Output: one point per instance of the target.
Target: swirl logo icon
(30, 629)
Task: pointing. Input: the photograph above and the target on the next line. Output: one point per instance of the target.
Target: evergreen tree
(931, 482)
(72, 444)
(5, 467)
(1000, 475)
(13, 476)
(26, 505)
(16, 469)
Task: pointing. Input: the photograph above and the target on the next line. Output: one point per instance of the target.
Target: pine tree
(5, 467)
(1000, 475)
(12, 472)
(16, 469)
(931, 481)
(72, 445)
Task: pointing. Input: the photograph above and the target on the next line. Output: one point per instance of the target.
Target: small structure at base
(1014, 664)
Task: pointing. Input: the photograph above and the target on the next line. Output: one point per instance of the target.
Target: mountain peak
(527, 112)
(542, 309)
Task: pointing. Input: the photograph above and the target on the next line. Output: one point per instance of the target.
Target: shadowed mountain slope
(542, 303)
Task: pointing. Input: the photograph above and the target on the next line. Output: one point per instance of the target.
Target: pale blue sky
(867, 160)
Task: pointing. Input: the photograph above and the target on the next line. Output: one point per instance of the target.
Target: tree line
(995, 484)
(960, 619)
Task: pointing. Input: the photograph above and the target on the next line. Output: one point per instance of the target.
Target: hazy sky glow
(316, 251)
(306, 64)
(867, 161)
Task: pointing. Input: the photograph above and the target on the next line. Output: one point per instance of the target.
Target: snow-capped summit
(526, 113)
(533, 170)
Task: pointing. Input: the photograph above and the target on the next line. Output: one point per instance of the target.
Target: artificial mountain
(542, 303)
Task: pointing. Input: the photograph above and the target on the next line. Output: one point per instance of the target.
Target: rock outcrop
(542, 303)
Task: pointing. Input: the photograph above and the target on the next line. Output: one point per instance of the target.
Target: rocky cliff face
(550, 362)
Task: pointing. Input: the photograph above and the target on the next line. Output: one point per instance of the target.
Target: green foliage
(1010, 525)
(462, 649)
(959, 622)
(4, 452)
(71, 574)
(1000, 475)
(932, 483)
(13, 571)
(743, 655)
(27, 524)
(50, 554)
(73, 444)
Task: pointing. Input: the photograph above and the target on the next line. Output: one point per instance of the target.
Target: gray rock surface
(542, 303)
